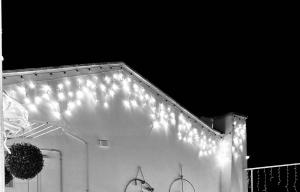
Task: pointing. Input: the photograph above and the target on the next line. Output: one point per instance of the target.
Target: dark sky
(212, 63)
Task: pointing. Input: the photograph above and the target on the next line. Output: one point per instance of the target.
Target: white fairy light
(60, 86)
(21, 90)
(68, 113)
(102, 87)
(56, 115)
(156, 125)
(95, 77)
(134, 103)
(79, 94)
(107, 79)
(46, 88)
(105, 105)
(37, 100)
(78, 102)
(70, 94)
(111, 93)
(54, 105)
(31, 85)
(46, 96)
(90, 84)
(126, 87)
(32, 107)
(115, 87)
(126, 104)
(71, 105)
(27, 100)
(61, 96)
(67, 82)
(79, 81)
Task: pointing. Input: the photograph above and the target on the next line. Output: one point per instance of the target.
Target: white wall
(133, 143)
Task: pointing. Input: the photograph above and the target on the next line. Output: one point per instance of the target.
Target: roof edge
(123, 66)
(28, 71)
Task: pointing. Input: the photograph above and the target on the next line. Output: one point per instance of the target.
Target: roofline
(29, 71)
(123, 66)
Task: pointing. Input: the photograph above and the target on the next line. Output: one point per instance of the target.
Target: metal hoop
(182, 180)
(142, 182)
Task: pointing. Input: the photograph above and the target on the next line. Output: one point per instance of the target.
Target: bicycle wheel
(138, 185)
(181, 185)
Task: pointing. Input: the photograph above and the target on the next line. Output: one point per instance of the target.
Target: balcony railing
(279, 178)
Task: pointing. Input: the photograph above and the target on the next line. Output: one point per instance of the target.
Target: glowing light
(111, 93)
(27, 101)
(46, 88)
(126, 104)
(46, 96)
(32, 107)
(31, 85)
(60, 86)
(78, 102)
(156, 125)
(115, 87)
(223, 153)
(56, 115)
(22, 90)
(54, 105)
(68, 113)
(107, 79)
(71, 105)
(37, 100)
(61, 96)
(79, 80)
(79, 94)
(125, 86)
(70, 94)
(67, 82)
(102, 87)
(105, 105)
(90, 84)
(134, 103)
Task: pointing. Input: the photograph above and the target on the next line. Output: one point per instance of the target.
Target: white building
(97, 124)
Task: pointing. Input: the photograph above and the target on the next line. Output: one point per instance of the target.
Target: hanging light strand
(257, 184)
(279, 179)
(287, 179)
(265, 183)
(296, 178)
(271, 174)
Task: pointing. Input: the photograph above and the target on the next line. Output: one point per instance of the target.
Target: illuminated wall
(143, 126)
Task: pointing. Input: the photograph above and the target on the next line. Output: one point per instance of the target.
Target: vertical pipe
(61, 165)
(87, 156)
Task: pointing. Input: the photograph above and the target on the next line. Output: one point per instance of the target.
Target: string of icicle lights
(239, 137)
(284, 178)
(64, 96)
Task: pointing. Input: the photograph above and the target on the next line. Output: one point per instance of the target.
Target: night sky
(209, 63)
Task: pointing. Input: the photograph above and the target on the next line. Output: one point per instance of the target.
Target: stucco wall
(134, 141)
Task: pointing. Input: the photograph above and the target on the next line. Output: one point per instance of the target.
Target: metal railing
(274, 178)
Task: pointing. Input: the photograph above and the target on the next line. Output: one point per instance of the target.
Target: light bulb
(31, 85)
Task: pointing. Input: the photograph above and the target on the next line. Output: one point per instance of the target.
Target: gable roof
(49, 73)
